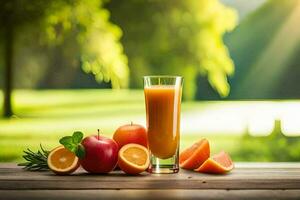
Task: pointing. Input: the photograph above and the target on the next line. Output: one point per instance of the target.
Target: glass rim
(162, 76)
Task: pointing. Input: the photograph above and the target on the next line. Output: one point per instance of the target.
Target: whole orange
(131, 133)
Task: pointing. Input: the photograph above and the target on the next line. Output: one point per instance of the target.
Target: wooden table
(246, 181)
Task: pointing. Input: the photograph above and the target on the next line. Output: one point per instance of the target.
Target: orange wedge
(133, 158)
(218, 164)
(195, 155)
(62, 161)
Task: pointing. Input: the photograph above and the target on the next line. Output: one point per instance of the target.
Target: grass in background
(45, 116)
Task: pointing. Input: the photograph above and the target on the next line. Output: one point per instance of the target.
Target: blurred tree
(84, 24)
(12, 15)
(176, 37)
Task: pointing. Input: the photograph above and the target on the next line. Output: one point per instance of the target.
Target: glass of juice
(163, 100)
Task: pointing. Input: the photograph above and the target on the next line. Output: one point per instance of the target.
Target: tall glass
(163, 100)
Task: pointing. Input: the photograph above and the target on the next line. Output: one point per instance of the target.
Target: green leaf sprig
(73, 143)
(35, 161)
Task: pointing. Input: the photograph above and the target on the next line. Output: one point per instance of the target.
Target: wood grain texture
(257, 177)
(148, 194)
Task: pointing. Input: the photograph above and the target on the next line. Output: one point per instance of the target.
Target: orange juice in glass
(163, 100)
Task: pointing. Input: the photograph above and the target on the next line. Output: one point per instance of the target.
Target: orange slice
(218, 164)
(133, 158)
(62, 161)
(195, 155)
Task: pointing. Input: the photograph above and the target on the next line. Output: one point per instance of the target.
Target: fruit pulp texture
(223, 159)
(62, 158)
(136, 156)
(163, 119)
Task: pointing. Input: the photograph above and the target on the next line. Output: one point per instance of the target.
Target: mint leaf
(77, 137)
(71, 147)
(80, 151)
(72, 143)
(66, 140)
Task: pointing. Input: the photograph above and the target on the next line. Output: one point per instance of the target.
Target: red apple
(101, 154)
(131, 133)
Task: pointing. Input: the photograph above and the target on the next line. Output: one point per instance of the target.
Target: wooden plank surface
(148, 194)
(256, 177)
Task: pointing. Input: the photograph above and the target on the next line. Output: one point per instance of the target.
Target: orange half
(195, 155)
(133, 158)
(62, 161)
(218, 164)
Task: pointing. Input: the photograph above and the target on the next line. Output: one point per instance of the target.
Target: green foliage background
(51, 35)
(146, 37)
(176, 37)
